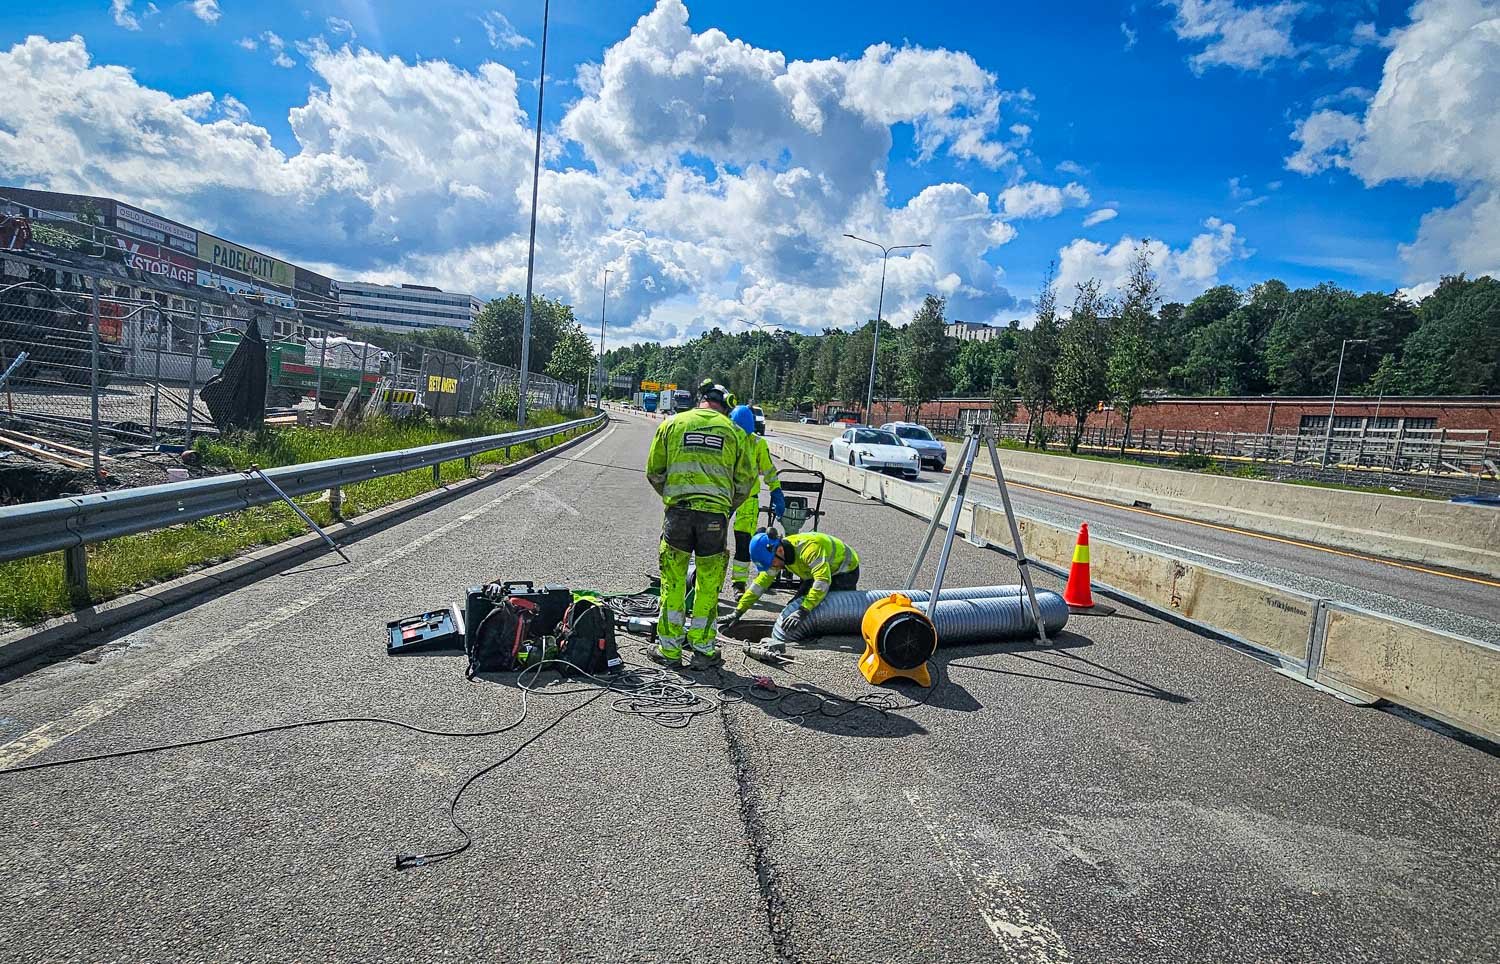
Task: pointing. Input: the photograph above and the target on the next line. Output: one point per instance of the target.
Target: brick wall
(1280, 415)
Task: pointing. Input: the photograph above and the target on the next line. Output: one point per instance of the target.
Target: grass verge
(33, 589)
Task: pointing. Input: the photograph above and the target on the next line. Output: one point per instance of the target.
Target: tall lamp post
(761, 327)
(1328, 437)
(603, 300)
(885, 258)
(536, 172)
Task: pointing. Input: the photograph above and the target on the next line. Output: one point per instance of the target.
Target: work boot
(665, 655)
(706, 659)
(739, 586)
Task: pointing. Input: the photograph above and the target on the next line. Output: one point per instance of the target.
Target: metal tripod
(959, 481)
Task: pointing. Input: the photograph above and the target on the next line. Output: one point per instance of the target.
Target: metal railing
(1436, 461)
(70, 524)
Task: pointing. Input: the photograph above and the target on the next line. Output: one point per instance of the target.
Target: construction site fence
(97, 360)
(1435, 461)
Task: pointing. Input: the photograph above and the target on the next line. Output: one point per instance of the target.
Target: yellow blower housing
(899, 640)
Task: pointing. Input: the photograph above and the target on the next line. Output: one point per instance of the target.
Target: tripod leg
(966, 454)
(970, 451)
(1022, 563)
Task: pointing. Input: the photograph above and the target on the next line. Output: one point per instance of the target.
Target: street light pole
(603, 300)
(536, 173)
(760, 326)
(885, 257)
(1328, 436)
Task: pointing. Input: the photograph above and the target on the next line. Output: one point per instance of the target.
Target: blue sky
(1181, 117)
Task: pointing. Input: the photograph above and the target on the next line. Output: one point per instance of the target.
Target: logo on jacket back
(702, 440)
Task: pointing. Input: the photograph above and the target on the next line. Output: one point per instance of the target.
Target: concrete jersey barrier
(1361, 655)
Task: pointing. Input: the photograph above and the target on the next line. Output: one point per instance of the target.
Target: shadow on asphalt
(1068, 667)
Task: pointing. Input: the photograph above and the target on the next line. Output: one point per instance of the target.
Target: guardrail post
(437, 473)
(76, 574)
(468, 465)
(336, 503)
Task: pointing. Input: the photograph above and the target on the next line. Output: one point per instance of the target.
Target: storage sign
(156, 260)
(232, 257)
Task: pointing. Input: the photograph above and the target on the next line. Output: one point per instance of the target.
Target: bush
(1193, 462)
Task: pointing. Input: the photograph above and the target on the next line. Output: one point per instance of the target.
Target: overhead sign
(650, 387)
(156, 229)
(232, 257)
(156, 260)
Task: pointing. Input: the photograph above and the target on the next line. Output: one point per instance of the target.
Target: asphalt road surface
(1132, 793)
(1457, 602)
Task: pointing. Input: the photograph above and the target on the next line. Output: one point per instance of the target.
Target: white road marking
(40, 738)
(1012, 917)
(554, 502)
(1168, 545)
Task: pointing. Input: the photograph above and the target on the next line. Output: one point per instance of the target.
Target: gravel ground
(1448, 604)
(1133, 793)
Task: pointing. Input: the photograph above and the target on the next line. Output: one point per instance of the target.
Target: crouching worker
(820, 561)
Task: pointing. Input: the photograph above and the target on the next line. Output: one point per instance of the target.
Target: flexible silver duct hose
(841, 612)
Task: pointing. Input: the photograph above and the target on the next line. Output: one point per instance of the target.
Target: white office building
(406, 307)
(972, 331)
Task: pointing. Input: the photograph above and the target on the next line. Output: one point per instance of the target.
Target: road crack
(758, 842)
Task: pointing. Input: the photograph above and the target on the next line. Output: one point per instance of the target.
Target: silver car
(932, 452)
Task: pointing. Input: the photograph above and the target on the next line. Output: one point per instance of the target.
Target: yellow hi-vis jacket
(699, 459)
(818, 557)
(745, 516)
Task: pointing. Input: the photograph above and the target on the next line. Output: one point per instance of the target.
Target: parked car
(871, 448)
(809, 420)
(843, 415)
(934, 454)
(760, 419)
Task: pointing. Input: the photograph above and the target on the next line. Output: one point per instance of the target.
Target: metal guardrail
(69, 524)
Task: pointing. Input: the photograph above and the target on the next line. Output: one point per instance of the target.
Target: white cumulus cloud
(1244, 37)
(1036, 200)
(122, 14)
(1432, 120)
(1182, 272)
(206, 10)
(718, 182)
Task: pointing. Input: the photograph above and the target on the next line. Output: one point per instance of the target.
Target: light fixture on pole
(885, 253)
(536, 172)
(1328, 436)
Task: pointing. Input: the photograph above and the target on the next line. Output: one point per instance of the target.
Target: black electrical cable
(655, 694)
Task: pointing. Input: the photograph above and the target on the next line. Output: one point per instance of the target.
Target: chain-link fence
(91, 360)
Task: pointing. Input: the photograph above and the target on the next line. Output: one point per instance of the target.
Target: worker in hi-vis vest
(746, 515)
(700, 466)
(820, 561)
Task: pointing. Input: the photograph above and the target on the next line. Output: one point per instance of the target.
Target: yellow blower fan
(899, 640)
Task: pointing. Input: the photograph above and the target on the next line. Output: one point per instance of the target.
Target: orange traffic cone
(1078, 594)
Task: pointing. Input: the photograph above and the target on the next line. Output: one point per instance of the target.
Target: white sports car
(871, 448)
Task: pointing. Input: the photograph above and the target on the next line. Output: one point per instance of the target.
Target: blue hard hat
(744, 418)
(763, 550)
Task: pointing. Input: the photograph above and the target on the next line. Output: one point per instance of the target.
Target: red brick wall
(1282, 415)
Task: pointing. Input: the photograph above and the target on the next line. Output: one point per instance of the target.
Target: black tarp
(236, 397)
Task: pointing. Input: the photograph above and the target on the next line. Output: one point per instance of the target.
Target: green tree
(1036, 361)
(825, 379)
(925, 353)
(854, 367)
(1083, 358)
(1134, 364)
(1456, 351)
(572, 357)
(1304, 343)
(497, 331)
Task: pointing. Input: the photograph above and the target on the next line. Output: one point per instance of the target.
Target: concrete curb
(23, 644)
